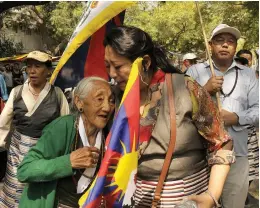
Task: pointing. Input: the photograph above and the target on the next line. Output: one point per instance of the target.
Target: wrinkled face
(98, 105)
(37, 72)
(248, 57)
(223, 47)
(118, 67)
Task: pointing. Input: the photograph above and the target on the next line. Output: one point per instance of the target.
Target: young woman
(199, 129)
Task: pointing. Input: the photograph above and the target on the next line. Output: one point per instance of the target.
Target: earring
(143, 64)
(81, 110)
(142, 79)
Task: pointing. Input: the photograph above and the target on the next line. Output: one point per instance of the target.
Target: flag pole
(208, 52)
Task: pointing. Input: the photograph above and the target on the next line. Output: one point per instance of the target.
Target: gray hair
(82, 90)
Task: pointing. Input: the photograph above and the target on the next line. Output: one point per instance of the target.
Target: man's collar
(233, 65)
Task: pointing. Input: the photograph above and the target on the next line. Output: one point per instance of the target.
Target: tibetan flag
(84, 54)
(115, 178)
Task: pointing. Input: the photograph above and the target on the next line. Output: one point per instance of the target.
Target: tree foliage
(9, 48)
(62, 17)
(25, 18)
(55, 19)
(176, 26)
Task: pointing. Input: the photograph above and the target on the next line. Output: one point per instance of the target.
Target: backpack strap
(169, 154)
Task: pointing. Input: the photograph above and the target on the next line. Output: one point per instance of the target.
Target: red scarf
(147, 123)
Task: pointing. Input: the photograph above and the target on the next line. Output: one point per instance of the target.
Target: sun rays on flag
(124, 169)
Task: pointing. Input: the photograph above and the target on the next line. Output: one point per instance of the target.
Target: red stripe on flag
(93, 203)
(117, 20)
(94, 65)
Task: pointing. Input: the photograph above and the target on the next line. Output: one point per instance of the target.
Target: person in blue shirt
(239, 95)
(3, 98)
(3, 89)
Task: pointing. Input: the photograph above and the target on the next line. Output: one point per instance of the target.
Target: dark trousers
(3, 161)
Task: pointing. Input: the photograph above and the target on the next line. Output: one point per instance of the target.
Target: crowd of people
(55, 151)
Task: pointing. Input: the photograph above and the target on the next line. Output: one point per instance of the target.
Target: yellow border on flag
(14, 58)
(102, 18)
(134, 74)
(132, 77)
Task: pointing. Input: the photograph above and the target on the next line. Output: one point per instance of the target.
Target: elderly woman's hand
(203, 200)
(86, 157)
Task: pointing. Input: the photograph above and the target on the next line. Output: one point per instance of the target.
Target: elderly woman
(198, 125)
(67, 157)
(29, 109)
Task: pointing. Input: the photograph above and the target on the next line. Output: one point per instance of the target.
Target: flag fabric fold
(114, 182)
(84, 54)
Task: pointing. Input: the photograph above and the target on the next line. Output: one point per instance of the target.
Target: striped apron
(253, 153)
(173, 192)
(12, 189)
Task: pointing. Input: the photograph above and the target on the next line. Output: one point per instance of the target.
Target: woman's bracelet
(213, 198)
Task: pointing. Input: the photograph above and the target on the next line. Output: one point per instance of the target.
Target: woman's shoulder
(62, 121)
(17, 89)
(189, 78)
(57, 89)
(191, 82)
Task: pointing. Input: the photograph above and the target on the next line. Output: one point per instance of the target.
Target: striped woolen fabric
(63, 206)
(173, 191)
(12, 189)
(253, 153)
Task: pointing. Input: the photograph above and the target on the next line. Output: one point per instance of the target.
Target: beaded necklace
(234, 86)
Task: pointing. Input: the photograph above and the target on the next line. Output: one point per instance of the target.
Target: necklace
(234, 86)
(33, 93)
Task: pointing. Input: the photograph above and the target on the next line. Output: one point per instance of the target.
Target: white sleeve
(6, 119)
(64, 108)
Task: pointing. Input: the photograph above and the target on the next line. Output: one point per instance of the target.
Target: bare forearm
(229, 118)
(217, 179)
(209, 90)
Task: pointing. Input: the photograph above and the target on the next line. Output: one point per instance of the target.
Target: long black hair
(132, 42)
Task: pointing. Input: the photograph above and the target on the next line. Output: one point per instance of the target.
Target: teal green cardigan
(46, 162)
